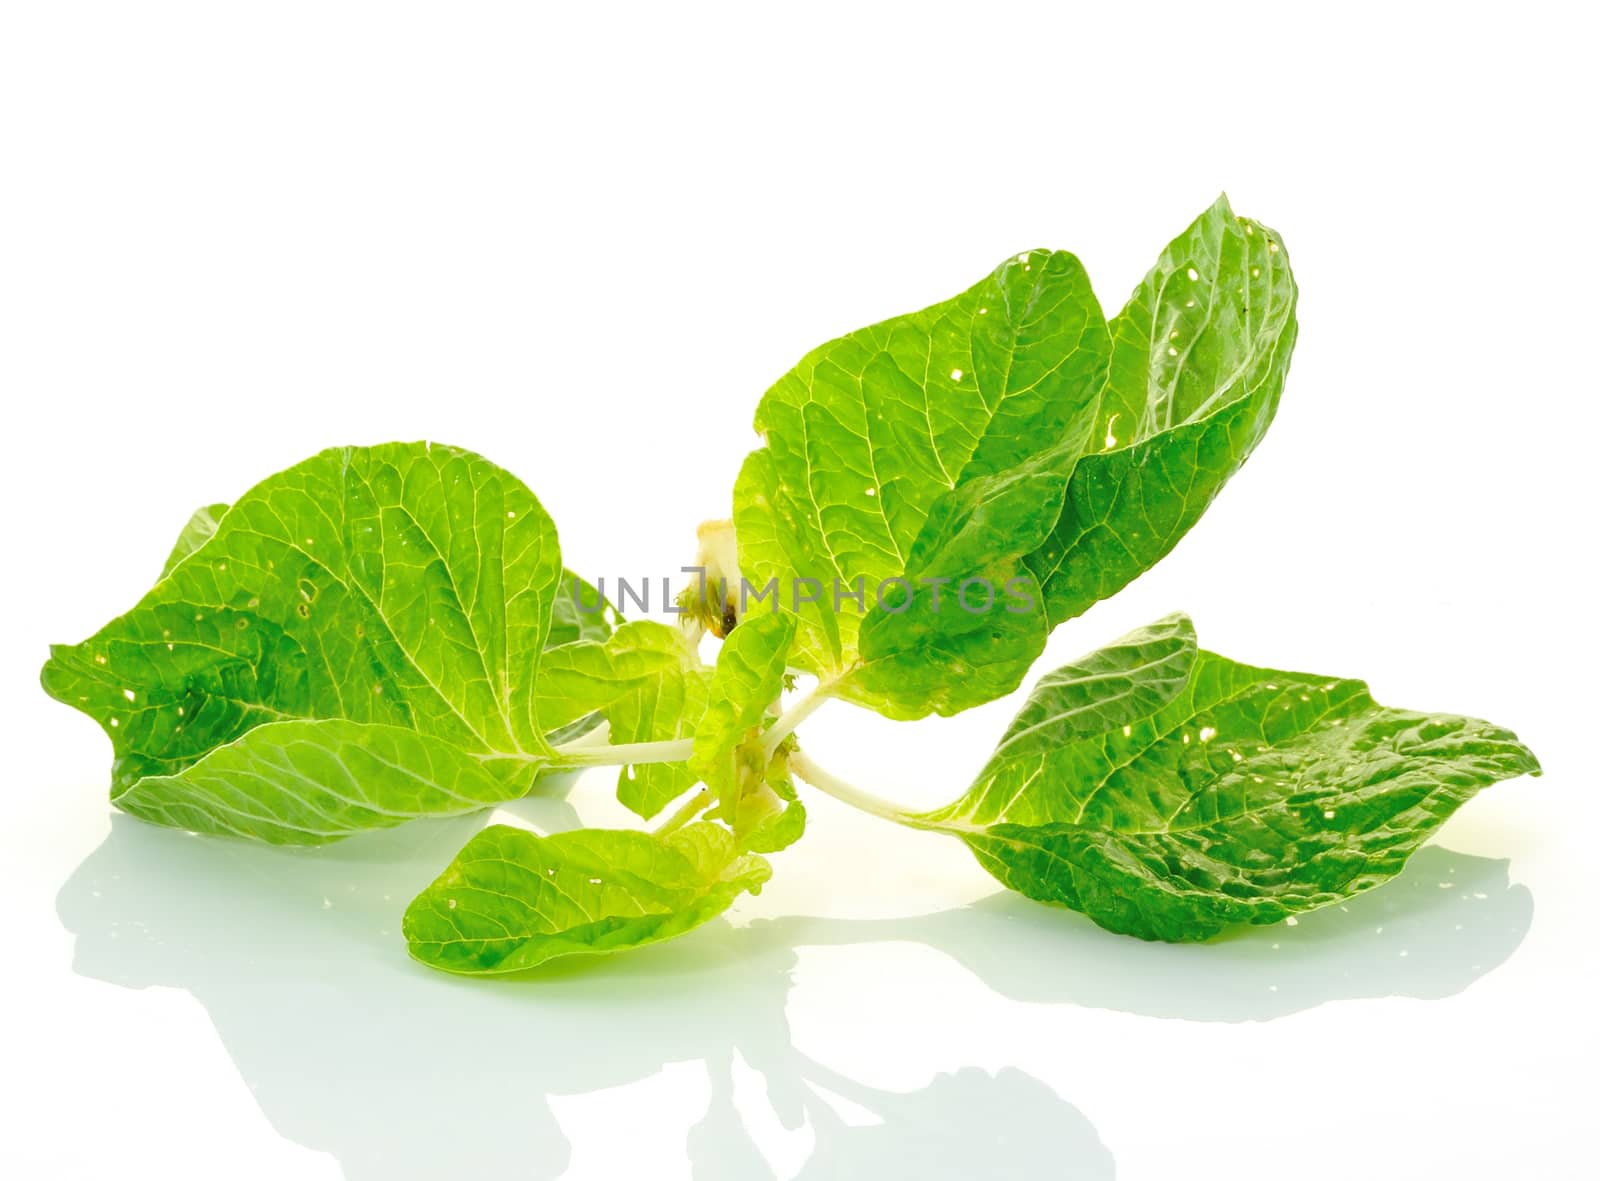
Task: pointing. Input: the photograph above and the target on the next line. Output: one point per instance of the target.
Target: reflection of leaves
(967, 1124)
(325, 1029)
(1456, 917)
(721, 1147)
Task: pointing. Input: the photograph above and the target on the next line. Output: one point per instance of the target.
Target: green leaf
(580, 613)
(195, 534)
(512, 900)
(776, 829)
(590, 675)
(405, 586)
(1246, 796)
(771, 817)
(1126, 680)
(971, 623)
(1062, 463)
(936, 445)
(1198, 361)
(749, 674)
(310, 782)
(649, 685)
(660, 712)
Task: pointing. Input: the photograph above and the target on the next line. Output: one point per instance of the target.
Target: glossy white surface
(584, 245)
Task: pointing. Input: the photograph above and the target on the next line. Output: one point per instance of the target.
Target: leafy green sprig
(381, 634)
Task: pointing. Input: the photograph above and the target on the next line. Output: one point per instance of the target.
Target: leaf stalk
(687, 811)
(575, 754)
(805, 705)
(805, 767)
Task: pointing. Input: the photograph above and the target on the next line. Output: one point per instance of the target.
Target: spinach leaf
(307, 782)
(1008, 440)
(580, 613)
(406, 587)
(512, 900)
(932, 446)
(649, 685)
(196, 532)
(1198, 361)
(1245, 795)
(771, 815)
(659, 712)
(1126, 680)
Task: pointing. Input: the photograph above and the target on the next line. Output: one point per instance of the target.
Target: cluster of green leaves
(1010, 434)
(387, 633)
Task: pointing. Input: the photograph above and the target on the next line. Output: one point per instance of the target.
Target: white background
(583, 241)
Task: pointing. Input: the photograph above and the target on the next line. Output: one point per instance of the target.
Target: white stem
(638, 753)
(847, 793)
(687, 811)
(807, 704)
